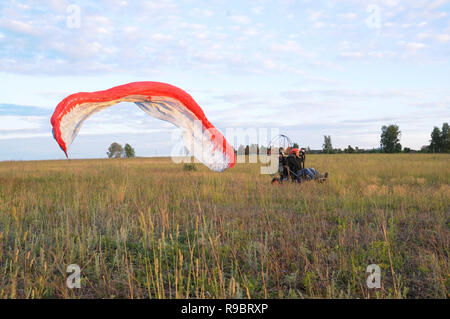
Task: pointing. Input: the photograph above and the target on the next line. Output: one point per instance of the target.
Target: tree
(407, 150)
(445, 138)
(241, 150)
(436, 141)
(349, 149)
(129, 151)
(327, 146)
(390, 138)
(263, 150)
(115, 150)
(253, 149)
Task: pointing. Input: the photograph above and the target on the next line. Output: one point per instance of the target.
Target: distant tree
(253, 149)
(349, 149)
(436, 141)
(327, 147)
(241, 150)
(263, 150)
(445, 138)
(129, 151)
(407, 150)
(115, 150)
(247, 150)
(390, 138)
(425, 149)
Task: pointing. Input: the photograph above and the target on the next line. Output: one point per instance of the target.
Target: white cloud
(240, 19)
(12, 123)
(314, 15)
(348, 15)
(381, 54)
(250, 32)
(438, 3)
(258, 9)
(160, 37)
(290, 46)
(202, 13)
(57, 5)
(413, 46)
(442, 38)
(19, 26)
(389, 3)
(160, 5)
(318, 25)
(352, 54)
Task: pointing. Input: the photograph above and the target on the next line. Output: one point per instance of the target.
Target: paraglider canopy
(160, 100)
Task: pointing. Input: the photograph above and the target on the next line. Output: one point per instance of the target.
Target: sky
(305, 68)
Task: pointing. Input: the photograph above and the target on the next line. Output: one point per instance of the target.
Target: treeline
(253, 149)
(389, 143)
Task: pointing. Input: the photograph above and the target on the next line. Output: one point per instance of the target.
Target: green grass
(146, 228)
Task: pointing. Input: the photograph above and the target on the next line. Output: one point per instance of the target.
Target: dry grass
(146, 228)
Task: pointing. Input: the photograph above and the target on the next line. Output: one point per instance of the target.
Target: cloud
(352, 54)
(159, 5)
(413, 46)
(314, 15)
(240, 19)
(438, 3)
(439, 37)
(22, 110)
(348, 16)
(10, 123)
(290, 46)
(19, 26)
(257, 10)
(201, 13)
(349, 93)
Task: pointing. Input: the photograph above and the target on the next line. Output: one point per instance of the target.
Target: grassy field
(143, 228)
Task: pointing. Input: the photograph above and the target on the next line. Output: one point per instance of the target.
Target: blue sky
(307, 68)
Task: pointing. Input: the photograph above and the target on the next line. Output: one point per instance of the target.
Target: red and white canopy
(160, 100)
